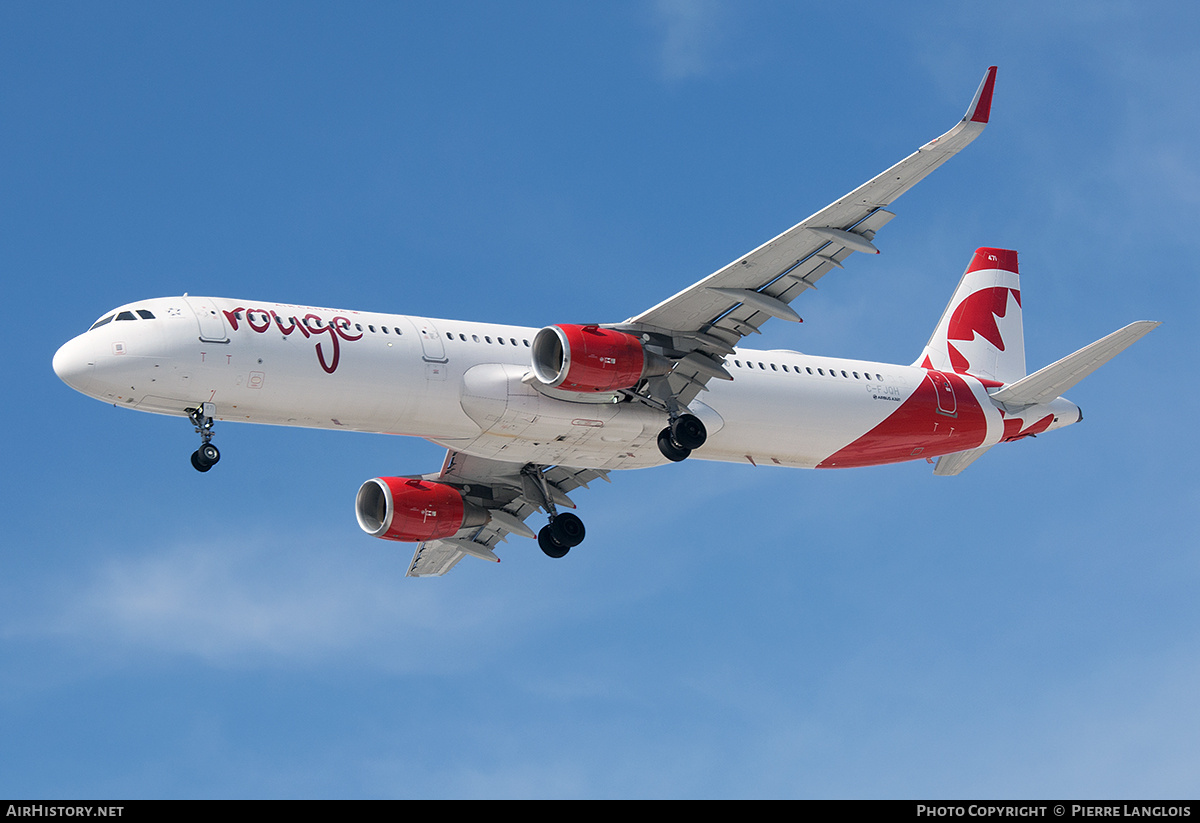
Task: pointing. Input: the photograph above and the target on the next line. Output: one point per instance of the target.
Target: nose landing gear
(205, 457)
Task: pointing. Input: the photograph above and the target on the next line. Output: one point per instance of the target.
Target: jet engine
(412, 510)
(591, 359)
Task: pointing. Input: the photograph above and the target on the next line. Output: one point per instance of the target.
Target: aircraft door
(947, 402)
(433, 348)
(212, 322)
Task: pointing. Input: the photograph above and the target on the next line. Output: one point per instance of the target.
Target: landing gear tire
(198, 462)
(561, 534)
(688, 432)
(567, 530)
(670, 449)
(550, 546)
(205, 457)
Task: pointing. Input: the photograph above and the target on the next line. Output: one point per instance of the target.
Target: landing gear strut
(205, 457)
(685, 433)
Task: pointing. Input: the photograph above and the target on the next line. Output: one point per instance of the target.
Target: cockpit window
(143, 314)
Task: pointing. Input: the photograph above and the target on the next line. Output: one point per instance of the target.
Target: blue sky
(1027, 629)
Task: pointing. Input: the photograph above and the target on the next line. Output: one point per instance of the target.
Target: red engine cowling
(587, 358)
(401, 508)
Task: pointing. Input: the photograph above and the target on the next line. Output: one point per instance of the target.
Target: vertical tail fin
(980, 331)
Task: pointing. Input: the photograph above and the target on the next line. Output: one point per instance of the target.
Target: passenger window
(383, 329)
(396, 329)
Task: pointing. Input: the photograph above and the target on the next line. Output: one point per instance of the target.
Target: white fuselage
(460, 384)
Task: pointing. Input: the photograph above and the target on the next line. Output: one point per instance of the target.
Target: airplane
(530, 415)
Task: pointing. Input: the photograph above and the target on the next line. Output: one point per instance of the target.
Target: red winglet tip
(982, 108)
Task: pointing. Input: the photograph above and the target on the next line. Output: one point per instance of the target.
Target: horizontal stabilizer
(951, 464)
(1058, 378)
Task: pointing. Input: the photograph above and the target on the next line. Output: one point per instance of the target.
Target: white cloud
(278, 600)
(691, 31)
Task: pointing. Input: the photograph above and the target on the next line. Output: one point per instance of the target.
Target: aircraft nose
(74, 364)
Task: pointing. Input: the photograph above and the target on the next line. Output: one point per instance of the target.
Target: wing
(510, 492)
(701, 324)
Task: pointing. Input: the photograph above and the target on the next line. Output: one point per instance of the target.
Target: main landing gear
(677, 440)
(561, 534)
(205, 457)
(565, 531)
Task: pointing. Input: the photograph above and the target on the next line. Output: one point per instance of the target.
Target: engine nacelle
(588, 358)
(412, 510)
